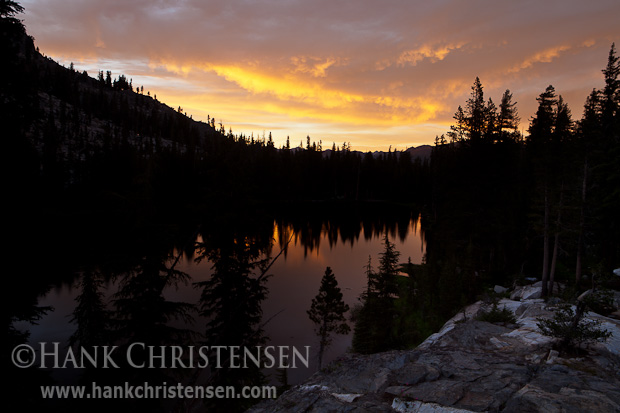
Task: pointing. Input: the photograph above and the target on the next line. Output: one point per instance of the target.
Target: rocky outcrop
(470, 365)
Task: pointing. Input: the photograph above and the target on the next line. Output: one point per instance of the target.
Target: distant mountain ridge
(70, 130)
(66, 87)
(421, 152)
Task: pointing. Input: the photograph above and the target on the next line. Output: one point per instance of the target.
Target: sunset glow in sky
(375, 73)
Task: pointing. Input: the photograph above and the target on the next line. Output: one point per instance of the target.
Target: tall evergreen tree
(458, 132)
(541, 125)
(508, 121)
(606, 167)
(476, 112)
(491, 118)
(90, 314)
(231, 301)
(327, 312)
(478, 121)
(562, 135)
(143, 313)
(588, 131)
(611, 92)
(383, 282)
(540, 148)
(363, 330)
(375, 331)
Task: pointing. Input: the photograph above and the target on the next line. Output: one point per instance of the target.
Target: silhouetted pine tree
(327, 312)
(144, 315)
(90, 314)
(377, 315)
(508, 120)
(541, 153)
(363, 331)
(600, 133)
(231, 300)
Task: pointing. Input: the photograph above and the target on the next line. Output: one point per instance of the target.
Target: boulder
(470, 365)
(498, 289)
(527, 292)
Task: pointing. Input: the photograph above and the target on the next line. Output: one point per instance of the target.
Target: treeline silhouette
(544, 204)
(87, 136)
(503, 208)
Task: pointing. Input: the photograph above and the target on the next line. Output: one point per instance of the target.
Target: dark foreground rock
(469, 366)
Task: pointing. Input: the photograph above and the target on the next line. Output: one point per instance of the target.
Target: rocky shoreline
(471, 365)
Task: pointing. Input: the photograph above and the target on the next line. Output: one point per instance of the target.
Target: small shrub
(495, 315)
(571, 328)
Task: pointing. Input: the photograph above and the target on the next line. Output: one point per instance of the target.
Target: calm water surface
(295, 280)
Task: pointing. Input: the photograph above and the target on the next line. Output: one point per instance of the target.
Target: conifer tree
(363, 329)
(587, 133)
(374, 329)
(562, 132)
(475, 111)
(490, 121)
(539, 145)
(10, 8)
(606, 168)
(327, 312)
(508, 121)
(90, 314)
(611, 91)
(231, 300)
(542, 122)
(478, 121)
(457, 132)
(383, 283)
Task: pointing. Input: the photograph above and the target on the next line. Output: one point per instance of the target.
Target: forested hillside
(71, 128)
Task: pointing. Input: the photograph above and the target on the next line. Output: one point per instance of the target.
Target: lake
(342, 242)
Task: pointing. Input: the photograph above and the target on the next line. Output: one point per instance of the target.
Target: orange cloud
(173, 67)
(432, 53)
(285, 87)
(544, 56)
(315, 97)
(314, 66)
(293, 98)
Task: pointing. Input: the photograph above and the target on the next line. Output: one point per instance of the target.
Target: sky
(372, 73)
